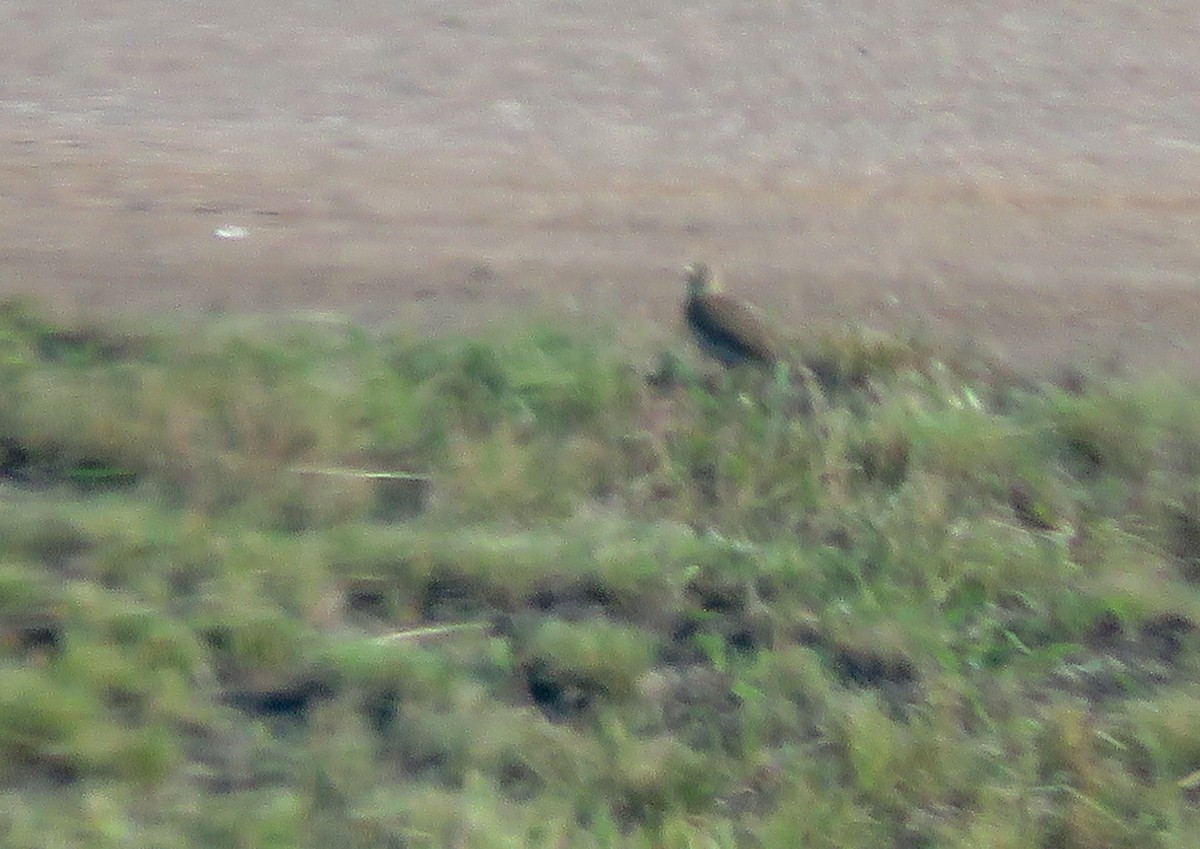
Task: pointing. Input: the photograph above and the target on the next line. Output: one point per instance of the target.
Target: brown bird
(726, 329)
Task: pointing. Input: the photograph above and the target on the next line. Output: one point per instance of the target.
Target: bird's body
(725, 329)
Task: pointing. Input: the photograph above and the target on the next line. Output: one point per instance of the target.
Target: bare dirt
(1020, 174)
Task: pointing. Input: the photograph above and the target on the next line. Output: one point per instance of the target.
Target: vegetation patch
(880, 596)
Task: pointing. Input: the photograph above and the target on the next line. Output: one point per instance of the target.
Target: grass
(887, 597)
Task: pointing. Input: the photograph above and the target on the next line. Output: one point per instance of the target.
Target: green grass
(887, 597)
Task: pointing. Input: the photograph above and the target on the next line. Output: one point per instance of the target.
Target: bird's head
(701, 280)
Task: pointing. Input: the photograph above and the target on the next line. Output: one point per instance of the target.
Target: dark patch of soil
(1119, 661)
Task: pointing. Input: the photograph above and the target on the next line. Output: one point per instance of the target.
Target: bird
(725, 329)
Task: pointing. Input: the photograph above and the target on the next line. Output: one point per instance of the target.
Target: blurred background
(1016, 173)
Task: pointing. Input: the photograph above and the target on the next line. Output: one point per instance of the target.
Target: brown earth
(1019, 174)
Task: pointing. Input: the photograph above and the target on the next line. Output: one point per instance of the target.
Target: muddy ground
(1019, 174)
